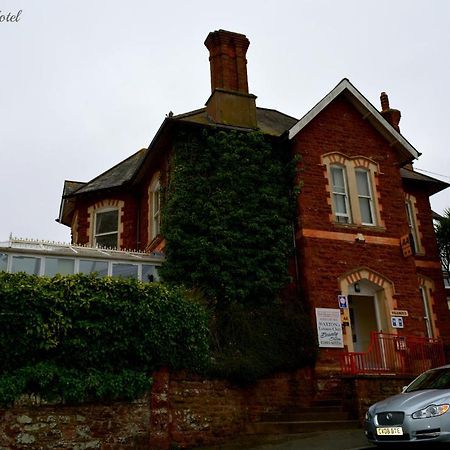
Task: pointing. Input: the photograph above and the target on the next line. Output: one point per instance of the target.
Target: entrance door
(363, 319)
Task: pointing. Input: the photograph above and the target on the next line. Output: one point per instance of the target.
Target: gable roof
(368, 111)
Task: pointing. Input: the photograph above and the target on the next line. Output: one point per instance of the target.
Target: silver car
(420, 414)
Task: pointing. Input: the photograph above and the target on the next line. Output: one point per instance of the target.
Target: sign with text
(399, 312)
(329, 327)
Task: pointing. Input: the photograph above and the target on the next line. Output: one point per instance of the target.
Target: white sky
(84, 84)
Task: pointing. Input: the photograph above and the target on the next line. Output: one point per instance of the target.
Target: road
(353, 439)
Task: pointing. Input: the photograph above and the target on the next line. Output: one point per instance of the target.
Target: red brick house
(364, 229)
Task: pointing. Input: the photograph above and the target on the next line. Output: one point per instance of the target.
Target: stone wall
(58, 427)
(360, 392)
(191, 411)
(181, 410)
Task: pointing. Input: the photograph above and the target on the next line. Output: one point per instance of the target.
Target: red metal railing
(390, 353)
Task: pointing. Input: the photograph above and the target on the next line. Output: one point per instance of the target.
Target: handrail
(391, 353)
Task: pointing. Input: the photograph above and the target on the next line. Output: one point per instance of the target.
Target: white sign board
(397, 322)
(329, 327)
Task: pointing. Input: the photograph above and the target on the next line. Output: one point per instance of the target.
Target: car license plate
(390, 431)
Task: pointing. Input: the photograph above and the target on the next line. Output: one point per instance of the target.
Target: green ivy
(227, 219)
(82, 338)
(228, 216)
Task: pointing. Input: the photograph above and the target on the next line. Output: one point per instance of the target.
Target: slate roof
(270, 122)
(433, 185)
(114, 177)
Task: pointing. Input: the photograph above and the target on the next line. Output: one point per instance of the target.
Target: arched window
(352, 189)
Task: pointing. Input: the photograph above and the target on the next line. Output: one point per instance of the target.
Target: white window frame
(413, 224)
(94, 231)
(351, 166)
(154, 207)
(369, 197)
(428, 318)
(346, 216)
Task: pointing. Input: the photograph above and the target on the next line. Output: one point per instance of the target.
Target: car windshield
(434, 379)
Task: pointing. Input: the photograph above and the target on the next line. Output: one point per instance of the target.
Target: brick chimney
(390, 115)
(230, 102)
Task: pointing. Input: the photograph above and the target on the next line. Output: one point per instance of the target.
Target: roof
(48, 248)
(270, 121)
(114, 177)
(368, 111)
(433, 185)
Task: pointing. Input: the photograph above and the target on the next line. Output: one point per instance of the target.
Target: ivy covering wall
(81, 338)
(228, 216)
(228, 222)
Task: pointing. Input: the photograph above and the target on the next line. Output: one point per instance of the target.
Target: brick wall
(327, 251)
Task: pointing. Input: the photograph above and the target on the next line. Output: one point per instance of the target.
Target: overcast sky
(84, 84)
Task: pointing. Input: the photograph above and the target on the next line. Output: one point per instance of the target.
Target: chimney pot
(384, 101)
(391, 115)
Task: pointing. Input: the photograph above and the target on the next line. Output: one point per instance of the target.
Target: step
(303, 426)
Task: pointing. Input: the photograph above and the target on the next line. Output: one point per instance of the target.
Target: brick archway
(384, 292)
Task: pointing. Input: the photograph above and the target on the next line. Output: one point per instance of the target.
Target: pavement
(352, 439)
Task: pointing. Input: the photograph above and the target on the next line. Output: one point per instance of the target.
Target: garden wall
(181, 409)
(363, 391)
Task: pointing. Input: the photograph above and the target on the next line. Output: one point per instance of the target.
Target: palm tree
(442, 229)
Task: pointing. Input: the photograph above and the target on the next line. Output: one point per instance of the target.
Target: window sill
(354, 226)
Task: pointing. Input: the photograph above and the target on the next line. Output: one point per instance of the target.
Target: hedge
(81, 338)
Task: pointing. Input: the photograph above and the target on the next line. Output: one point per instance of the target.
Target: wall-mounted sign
(345, 318)
(399, 312)
(406, 245)
(329, 327)
(342, 301)
(397, 322)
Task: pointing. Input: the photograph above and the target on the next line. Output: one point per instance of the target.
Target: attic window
(107, 228)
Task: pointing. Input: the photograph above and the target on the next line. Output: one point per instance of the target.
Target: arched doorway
(370, 298)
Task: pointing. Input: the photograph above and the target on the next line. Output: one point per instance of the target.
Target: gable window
(106, 228)
(364, 196)
(352, 190)
(340, 194)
